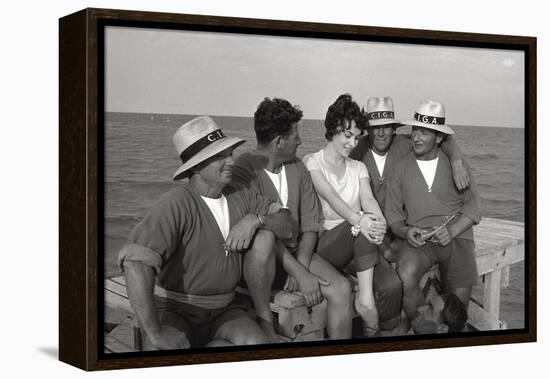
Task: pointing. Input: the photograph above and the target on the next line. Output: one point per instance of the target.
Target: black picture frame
(81, 109)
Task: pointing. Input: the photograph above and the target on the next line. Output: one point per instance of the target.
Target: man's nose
(229, 160)
(380, 132)
(299, 141)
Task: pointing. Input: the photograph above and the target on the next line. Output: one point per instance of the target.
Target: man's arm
(461, 176)
(299, 277)
(242, 233)
(140, 281)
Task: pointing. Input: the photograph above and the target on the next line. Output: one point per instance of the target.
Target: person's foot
(269, 330)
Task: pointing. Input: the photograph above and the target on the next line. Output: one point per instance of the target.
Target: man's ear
(442, 329)
(277, 142)
(439, 138)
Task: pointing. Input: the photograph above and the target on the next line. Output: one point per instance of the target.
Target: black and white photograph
(279, 190)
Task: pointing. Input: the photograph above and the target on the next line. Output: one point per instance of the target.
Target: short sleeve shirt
(347, 186)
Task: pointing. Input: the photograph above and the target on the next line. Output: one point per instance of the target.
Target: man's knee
(263, 247)
(339, 289)
(257, 338)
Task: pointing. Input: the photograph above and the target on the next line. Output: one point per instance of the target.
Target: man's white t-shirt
(280, 183)
(428, 169)
(220, 210)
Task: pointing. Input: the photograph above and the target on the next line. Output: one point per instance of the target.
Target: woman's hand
(373, 227)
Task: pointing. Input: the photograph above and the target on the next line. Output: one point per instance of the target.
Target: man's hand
(414, 236)
(442, 237)
(461, 176)
(291, 284)
(242, 233)
(169, 338)
(309, 287)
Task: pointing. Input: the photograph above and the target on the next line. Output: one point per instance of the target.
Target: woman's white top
(347, 186)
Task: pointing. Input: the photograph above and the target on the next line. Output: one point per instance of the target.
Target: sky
(184, 72)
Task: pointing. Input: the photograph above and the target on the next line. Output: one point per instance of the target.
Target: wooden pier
(499, 244)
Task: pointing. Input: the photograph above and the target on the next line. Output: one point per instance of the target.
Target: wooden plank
(481, 319)
(505, 277)
(499, 259)
(491, 293)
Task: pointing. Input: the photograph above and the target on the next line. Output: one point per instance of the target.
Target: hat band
(430, 120)
(200, 144)
(380, 114)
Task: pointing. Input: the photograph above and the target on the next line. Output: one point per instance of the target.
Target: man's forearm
(460, 226)
(451, 149)
(140, 282)
(305, 248)
(290, 263)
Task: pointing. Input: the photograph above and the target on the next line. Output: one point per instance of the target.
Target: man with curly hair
(274, 171)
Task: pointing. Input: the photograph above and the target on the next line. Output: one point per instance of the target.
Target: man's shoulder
(250, 161)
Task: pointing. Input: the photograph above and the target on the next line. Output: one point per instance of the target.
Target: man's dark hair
(273, 118)
(454, 313)
(344, 108)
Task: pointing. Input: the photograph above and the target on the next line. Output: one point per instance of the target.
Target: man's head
(344, 123)
(440, 313)
(382, 124)
(276, 122)
(428, 128)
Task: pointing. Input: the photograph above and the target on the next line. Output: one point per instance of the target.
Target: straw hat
(431, 115)
(198, 140)
(380, 111)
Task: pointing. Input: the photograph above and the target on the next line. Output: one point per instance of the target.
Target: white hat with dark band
(380, 112)
(198, 140)
(431, 115)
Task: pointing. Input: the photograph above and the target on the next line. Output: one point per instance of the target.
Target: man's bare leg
(259, 272)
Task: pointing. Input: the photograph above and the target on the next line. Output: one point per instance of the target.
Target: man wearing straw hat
(381, 150)
(274, 171)
(187, 242)
(425, 208)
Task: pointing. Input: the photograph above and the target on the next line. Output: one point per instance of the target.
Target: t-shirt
(220, 211)
(280, 184)
(347, 186)
(428, 168)
(380, 160)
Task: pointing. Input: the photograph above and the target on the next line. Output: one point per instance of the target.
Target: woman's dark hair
(344, 108)
(273, 118)
(454, 313)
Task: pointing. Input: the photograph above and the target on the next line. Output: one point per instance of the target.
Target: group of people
(373, 203)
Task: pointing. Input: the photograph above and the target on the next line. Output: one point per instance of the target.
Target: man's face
(217, 169)
(428, 319)
(424, 141)
(380, 138)
(289, 144)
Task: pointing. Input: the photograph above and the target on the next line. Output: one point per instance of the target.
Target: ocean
(140, 160)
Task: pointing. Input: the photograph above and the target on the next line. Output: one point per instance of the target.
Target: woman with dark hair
(354, 223)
